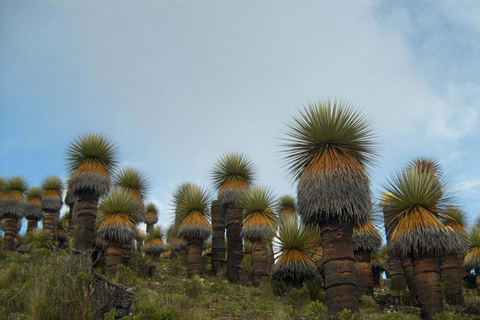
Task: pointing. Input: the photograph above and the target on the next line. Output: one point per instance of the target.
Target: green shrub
(367, 302)
(193, 287)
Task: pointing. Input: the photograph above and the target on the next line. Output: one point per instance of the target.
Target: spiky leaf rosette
(173, 239)
(426, 165)
(37, 239)
(456, 218)
(193, 213)
(13, 203)
(232, 175)
(328, 147)
(296, 244)
(247, 247)
(366, 237)
(33, 208)
(378, 258)
(116, 218)
(413, 212)
(151, 214)
(61, 230)
(52, 193)
(91, 160)
(260, 222)
(135, 184)
(286, 206)
(154, 241)
(472, 256)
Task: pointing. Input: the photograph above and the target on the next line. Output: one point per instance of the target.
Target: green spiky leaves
(91, 160)
(192, 213)
(154, 244)
(472, 256)
(34, 193)
(13, 202)
(232, 175)
(426, 165)
(366, 237)
(16, 184)
(413, 209)
(151, 214)
(116, 218)
(53, 184)
(259, 222)
(455, 218)
(286, 202)
(297, 243)
(323, 126)
(133, 182)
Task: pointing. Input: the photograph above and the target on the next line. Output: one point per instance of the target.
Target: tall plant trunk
(339, 267)
(397, 277)
(183, 253)
(32, 224)
(376, 272)
(49, 222)
(363, 267)
(126, 252)
(10, 233)
(149, 227)
(452, 274)
(113, 257)
(270, 255)
(194, 257)
(87, 203)
(218, 237)
(427, 285)
(407, 267)
(259, 262)
(234, 223)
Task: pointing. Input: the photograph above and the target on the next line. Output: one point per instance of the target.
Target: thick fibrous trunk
(194, 256)
(113, 257)
(376, 272)
(218, 237)
(452, 274)
(397, 277)
(49, 222)
(32, 224)
(339, 267)
(234, 224)
(427, 285)
(86, 211)
(407, 267)
(270, 255)
(259, 262)
(183, 255)
(10, 233)
(363, 267)
(126, 252)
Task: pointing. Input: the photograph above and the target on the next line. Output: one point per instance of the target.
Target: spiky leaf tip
(426, 165)
(456, 218)
(328, 134)
(3, 186)
(231, 174)
(133, 181)
(53, 185)
(116, 218)
(16, 184)
(286, 202)
(154, 241)
(260, 222)
(151, 214)
(193, 213)
(34, 193)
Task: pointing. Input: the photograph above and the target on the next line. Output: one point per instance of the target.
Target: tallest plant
(91, 160)
(328, 148)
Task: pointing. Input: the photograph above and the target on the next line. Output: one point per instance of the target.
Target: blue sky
(177, 84)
